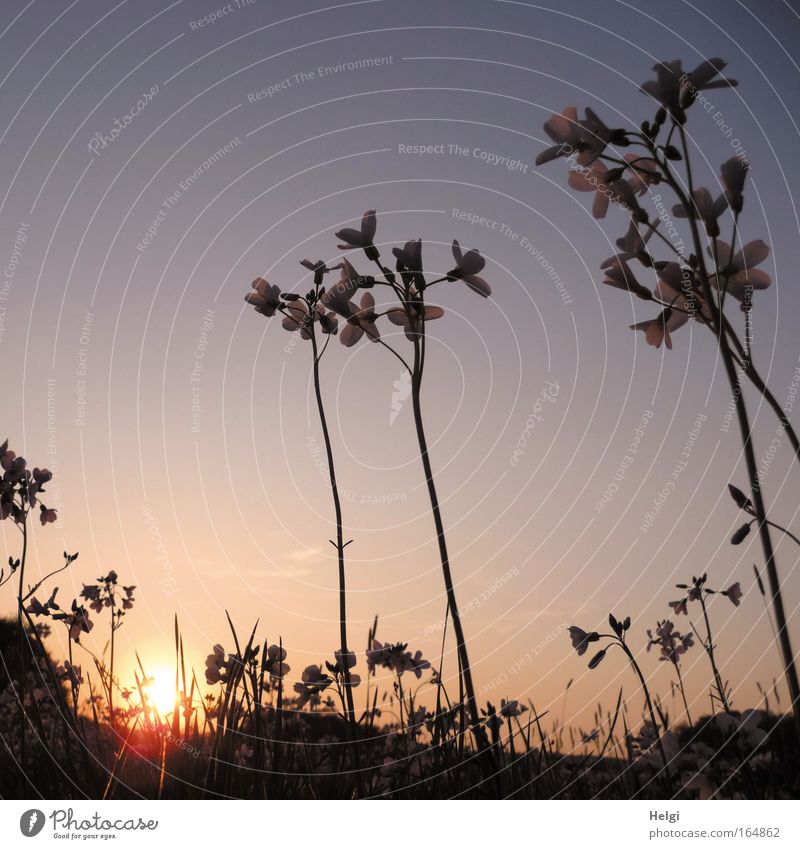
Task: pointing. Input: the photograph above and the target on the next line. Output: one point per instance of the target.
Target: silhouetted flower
(215, 666)
(398, 315)
(409, 257)
(47, 515)
(339, 296)
(361, 238)
(680, 606)
(36, 484)
(296, 318)
(657, 330)
(672, 643)
(511, 708)
(266, 298)
(738, 273)
(733, 174)
(77, 621)
(314, 681)
(275, 665)
(704, 208)
(467, 267)
(675, 90)
(360, 322)
(581, 639)
(734, 593)
(619, 275)
(608, 187)
(587, 138)
(67, 672)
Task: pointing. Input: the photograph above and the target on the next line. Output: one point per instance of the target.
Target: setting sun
(160, 689)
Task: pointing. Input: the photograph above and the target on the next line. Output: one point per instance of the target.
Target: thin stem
(783, 530)
(683, 692)
(22, 666)
(709, 647)
(648, 701)
(416, 385)
(749, 453)
(340, 543)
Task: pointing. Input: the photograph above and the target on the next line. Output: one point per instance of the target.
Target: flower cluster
(696, 591)
(21, 488)
(326, 306)
(104, 593)
(76, 620)
(684, 286)
(672, 643)
(312, 683)
(395, 658)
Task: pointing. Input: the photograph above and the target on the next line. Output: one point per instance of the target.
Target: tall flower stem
(461, 646)
(648, 700)
(340, 544)
(719, 327)
(757, 381)
(708, 644)
(21, 634)
(683, 692)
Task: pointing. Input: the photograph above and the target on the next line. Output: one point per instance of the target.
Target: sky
(181, 428)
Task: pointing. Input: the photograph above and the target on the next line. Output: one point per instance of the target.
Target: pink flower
(565, 131)
(657, 330)
(738, 272)
(587, 138)
(361, 322)
(266, 298)
(397, 315)
(607, 189)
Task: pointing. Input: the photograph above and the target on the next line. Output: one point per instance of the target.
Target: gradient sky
(229, 510)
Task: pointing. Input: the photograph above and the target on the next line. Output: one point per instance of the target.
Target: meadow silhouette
(377, 718)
